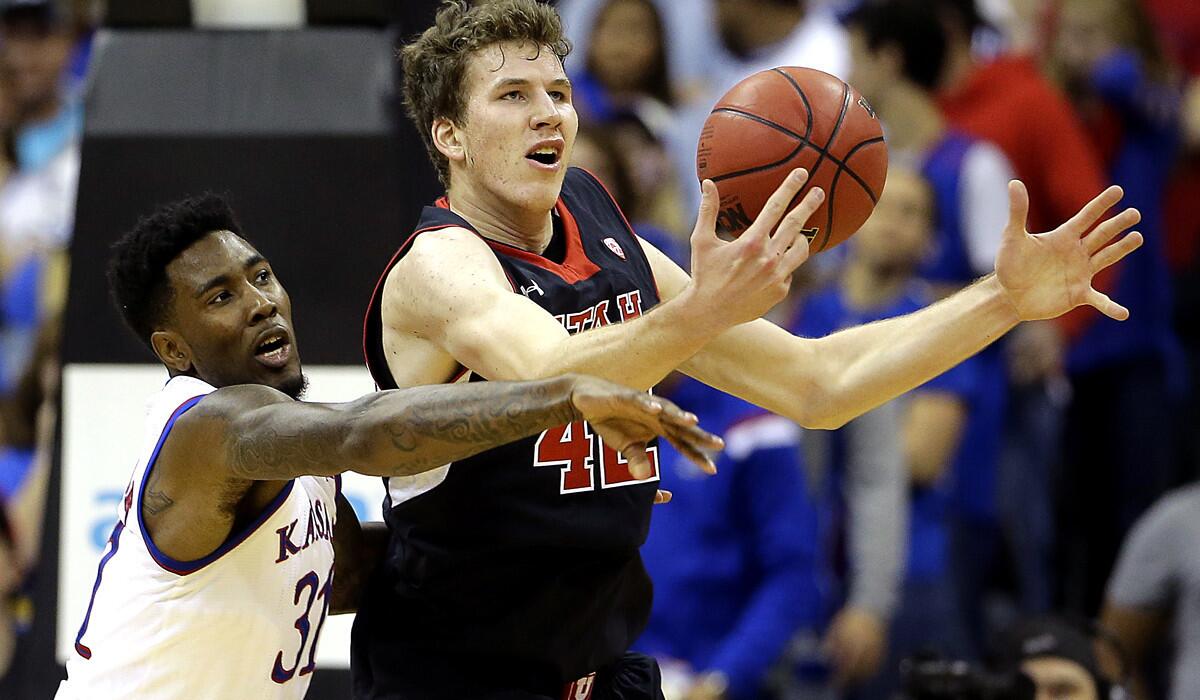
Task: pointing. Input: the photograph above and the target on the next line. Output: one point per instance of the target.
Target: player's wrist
(693, 314)
(1000, 298)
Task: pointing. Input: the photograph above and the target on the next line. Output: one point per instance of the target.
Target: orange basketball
(786, 118)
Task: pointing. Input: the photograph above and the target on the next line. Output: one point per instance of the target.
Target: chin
(294, 385)
(541, 197)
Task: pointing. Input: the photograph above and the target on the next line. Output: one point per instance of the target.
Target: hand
(627, 419)
(1035, 352)
(739, 281)
(708, 686)
(856, 643)
(1047, 274)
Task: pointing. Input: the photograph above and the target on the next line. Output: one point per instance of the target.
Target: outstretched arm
(449, 291)
(823, 383)
(266, 436)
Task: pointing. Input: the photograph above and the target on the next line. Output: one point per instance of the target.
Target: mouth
(273, 348)
(546, 155)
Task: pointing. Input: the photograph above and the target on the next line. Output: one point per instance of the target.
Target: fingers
(1018, 208)
(661, 497)
(1093, 210)
(1106, 306)
(698, 457)
(706, 217)
(639, 464)
(1113, 253)
(1109, 229)
(792, 227)
(777, 205)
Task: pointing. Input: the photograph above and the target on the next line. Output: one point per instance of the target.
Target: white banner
(103, 415)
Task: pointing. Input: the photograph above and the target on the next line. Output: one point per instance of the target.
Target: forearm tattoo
(408, 431)
(463, 420)
(154, 501)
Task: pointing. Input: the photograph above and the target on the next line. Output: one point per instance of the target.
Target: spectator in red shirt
(1006, 100)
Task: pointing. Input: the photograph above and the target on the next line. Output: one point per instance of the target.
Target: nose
(545, 112)
(262, 305)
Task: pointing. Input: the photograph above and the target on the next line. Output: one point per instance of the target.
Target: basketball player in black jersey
(515, 574)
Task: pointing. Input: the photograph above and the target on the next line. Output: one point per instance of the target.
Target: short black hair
(963, 14)
(911, 26)
(137, 268)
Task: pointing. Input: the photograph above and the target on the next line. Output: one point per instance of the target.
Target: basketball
(785, 118)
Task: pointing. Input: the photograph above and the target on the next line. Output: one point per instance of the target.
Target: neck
(959, 64)
(914, 120)
(776, 24)
(499, 221)
(867, 286)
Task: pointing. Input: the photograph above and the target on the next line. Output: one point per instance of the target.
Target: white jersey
(242, 622)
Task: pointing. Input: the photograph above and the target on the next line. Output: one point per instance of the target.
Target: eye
(263, 275)
(511, 95)
(220, 297)
(558, 95)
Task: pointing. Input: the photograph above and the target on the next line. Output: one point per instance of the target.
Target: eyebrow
(522, 82)
(219, 280)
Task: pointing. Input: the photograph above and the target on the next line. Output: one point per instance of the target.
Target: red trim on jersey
(628, 227)
(377, 292)
(576, 265)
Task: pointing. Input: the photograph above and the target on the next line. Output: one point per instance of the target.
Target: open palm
(1048, 274)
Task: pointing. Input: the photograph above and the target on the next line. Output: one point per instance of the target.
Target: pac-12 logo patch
(614, 247)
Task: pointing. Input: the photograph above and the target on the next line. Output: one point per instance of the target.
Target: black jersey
(520, 563)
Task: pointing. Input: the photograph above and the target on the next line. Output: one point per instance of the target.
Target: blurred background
(1032, 509)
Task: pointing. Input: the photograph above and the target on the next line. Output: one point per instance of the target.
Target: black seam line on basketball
(824, 153)
(840, 163)
(833, 188)
(833, 135)
(760, 168)
(829, 207)
(803, 98)
(781, 129)
(851, 173)
(765, 122)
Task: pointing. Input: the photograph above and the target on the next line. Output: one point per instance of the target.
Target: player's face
(896, 236)
(519, 127)
(625, 44)
(1059, 679)
(870, 71)
(233, 315)
(1084, 35)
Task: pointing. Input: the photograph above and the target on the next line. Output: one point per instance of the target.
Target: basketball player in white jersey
(233, 541)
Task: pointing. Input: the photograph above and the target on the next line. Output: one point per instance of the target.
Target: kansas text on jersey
(242, 622)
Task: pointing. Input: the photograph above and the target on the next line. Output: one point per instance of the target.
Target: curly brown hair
(435, 63)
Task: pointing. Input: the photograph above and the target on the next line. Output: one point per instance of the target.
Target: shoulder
(226, 404)
(983, 160)
(442, 255)
(1177, 512)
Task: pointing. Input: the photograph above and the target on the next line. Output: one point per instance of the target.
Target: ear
(447, 140)
(172, 350)
(891, 61)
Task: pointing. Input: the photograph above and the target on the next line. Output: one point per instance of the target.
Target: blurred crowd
(1020, 510)
(43, 55)
(1029, 510)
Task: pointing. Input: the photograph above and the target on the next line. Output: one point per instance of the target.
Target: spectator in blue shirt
(1118, 430)
(878, 282)
(733, 559)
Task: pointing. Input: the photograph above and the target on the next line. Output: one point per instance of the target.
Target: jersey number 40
(571, 448)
